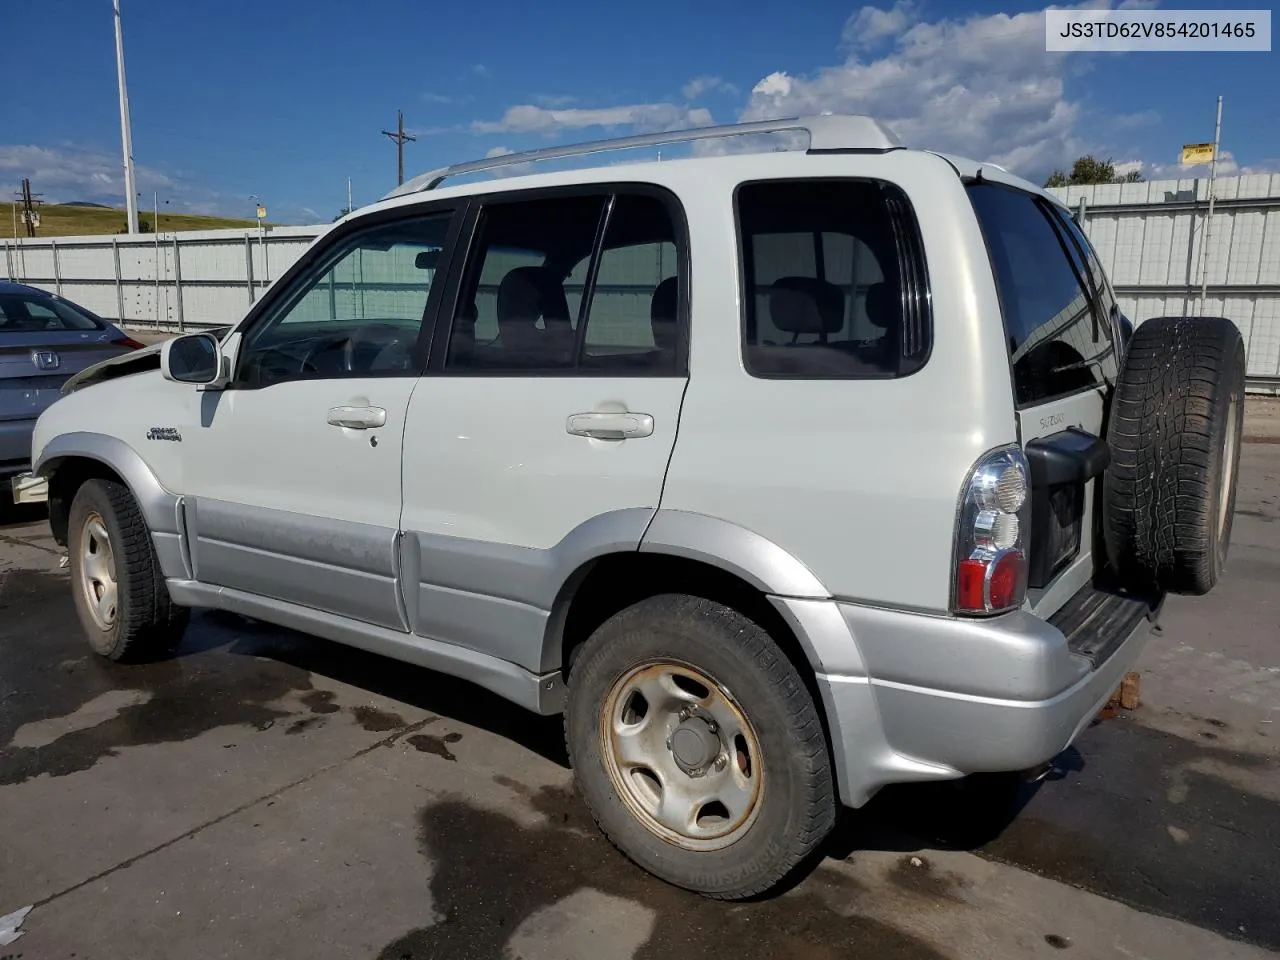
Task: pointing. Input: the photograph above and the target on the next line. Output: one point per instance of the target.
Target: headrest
(806, 305)
(884, 306)
(527, 293)
(666, 301)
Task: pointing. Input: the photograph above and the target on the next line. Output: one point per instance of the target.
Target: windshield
(27, 313)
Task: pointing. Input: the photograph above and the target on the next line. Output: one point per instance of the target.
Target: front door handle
(357, 418)
(610, 426)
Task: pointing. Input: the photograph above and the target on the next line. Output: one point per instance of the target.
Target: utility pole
(126, 136)
(398, 138)
(1208, 220)
(348, 194)
(29, 200)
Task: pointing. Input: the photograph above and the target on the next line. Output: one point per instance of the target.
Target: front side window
(585, 285)
(834, 280)
(1057, 341)
(360, 315)
(26, 314)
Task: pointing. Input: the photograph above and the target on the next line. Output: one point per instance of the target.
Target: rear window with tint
(1058, 340)
(26, 314)
(835, 283)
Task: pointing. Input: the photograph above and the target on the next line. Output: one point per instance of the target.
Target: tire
(143, 622)
(1174, 433)
(780, 760)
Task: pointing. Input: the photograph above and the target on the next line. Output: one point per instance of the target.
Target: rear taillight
(990, 570)
(129, 342)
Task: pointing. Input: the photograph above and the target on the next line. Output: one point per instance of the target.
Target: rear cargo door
(1060, 330)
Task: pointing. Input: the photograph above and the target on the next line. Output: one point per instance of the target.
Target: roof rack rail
(827, 133)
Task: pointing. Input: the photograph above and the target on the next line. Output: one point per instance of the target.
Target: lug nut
(720, 762)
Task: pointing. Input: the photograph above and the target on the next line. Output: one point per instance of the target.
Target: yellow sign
(1196, 153)
(262, 211)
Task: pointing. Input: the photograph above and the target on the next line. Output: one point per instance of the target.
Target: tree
(342, 213)
(1089, 169)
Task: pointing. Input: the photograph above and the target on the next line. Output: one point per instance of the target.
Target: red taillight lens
(129, 342)
(1008, 580)
(971, 578)
(991, 552)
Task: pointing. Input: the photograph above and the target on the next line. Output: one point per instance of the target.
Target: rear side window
(1058, 343)
(835, 280)
(25, 314)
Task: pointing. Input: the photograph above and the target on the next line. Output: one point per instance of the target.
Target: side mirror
(195, 358)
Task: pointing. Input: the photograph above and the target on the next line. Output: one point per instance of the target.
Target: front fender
(161, 508)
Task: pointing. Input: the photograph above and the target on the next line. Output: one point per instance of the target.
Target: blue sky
(285, 98)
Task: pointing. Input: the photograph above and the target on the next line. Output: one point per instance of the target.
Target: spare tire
(1174, 432)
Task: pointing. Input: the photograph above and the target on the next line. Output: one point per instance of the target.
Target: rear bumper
(937, 698)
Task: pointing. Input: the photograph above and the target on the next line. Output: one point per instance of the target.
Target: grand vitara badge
(164, 433)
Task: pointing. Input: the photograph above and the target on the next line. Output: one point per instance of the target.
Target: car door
(294, 470)
(541, 434)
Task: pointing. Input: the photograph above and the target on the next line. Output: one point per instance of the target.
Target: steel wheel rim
(682, 756)
(98, 572)
(1228, 471)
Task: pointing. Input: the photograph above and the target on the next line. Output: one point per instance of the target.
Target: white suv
(784, 475)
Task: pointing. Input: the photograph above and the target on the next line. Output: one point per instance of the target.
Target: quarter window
(835, 283)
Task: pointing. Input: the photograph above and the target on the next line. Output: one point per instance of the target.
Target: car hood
(136, 361)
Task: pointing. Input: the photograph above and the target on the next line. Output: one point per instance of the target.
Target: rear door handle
(610, 426)
(357, 418)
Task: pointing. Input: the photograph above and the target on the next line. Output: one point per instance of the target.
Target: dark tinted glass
(516, 310)
(632, 321)
(24, 314)
(1057, 341)
(825, 293)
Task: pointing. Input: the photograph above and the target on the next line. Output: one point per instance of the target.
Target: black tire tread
(1160, 493)
(149, 623)
(788, 850)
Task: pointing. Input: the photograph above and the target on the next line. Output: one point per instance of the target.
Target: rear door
(43, 340)
(1061, 336)
(542, 430)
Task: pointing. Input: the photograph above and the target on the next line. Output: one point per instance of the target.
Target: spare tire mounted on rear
(1174, 433)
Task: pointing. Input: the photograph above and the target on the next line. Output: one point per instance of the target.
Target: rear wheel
(698, 748)
(1176, 420)
(120, 594)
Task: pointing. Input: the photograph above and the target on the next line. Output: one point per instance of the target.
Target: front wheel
(698, 748)
(120, 594)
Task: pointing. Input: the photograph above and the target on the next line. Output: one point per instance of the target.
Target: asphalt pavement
(267, 794)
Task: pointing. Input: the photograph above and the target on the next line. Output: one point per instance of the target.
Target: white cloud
(1138, 4)
(69, 174)
(707, 84)
(480, 70)
(871, 24)
(1126, 167)
(641, 117)
(979, 85)
(546, 100)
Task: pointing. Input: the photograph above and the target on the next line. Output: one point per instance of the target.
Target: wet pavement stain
(375, 720)
(917, 875)
(46, 675)
(438, 746)
(1105, 825)
(320, 701)
(306, 723)
(490, 874)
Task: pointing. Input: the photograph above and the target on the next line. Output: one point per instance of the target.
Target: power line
(399, 138)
